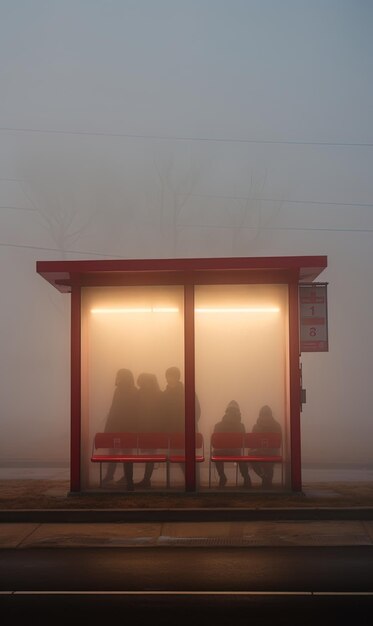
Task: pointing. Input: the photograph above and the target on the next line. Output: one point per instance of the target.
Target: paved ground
(325, 530)
(285, 533)
(51, 494)
(39, 511)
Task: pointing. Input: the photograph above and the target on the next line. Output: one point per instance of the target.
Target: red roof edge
(61, 274)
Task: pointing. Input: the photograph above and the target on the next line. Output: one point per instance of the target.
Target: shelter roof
(109, 272)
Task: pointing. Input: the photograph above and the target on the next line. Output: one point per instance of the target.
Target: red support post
(190, 427)
(295, 392)
(75, 401)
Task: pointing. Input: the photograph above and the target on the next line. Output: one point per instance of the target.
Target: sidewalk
(186, 534)
(40, 512)
(48, 489)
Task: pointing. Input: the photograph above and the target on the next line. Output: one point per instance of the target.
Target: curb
(183, 515)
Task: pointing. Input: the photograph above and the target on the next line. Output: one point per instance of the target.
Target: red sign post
(313, 311)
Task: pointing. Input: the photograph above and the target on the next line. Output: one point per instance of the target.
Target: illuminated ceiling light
(136, 310)
(120, 310)
(261, 309)
(113, 310)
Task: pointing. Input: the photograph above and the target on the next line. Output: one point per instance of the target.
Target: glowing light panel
(136, 310)
(112, 310)
(237, 309)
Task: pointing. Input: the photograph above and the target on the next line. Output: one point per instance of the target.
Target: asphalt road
(343, 569)
(201, 585)
(180, 610)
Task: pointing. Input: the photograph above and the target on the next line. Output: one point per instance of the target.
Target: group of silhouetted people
(144, 407)
(231, 422)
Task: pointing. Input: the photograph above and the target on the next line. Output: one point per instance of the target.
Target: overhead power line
(228, 197)
(283, 228)
(264, 228)
(186, 138)
(17, 208)
(84, 252)
(275, 200)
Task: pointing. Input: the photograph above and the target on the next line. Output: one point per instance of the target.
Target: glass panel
(130, 337)
(241, 334)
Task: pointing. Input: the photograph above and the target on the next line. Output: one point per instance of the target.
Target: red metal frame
(295, 391)
(70, 276)
(190, 427)
(63, 274)
(75, 400)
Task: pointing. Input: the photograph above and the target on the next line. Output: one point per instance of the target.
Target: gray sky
(267, 70)
(185, 128)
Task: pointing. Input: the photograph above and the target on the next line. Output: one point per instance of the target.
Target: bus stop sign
(313, 312)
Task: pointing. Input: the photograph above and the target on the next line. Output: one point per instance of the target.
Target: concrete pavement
(24, 535)
(329, 513)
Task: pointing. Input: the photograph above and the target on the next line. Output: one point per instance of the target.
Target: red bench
(250, 447)
(143, 448)
(264, 448)
(129, 448)
(226, 448)
(177, 450)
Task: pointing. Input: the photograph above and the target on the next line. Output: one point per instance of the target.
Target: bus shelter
(229, 329)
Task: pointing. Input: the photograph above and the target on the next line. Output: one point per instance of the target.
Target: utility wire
(280, 228)
(17, 208)
(182, 138)
(247, 198)
(86, 252)
(313, 202)
(224, 197)
(286, 228)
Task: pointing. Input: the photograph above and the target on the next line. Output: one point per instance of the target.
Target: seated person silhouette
(265, 423)
(231, 423)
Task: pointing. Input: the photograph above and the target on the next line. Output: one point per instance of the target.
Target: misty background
(184, 128)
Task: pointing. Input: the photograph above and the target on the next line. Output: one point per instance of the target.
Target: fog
(238, 355)
(187, 128)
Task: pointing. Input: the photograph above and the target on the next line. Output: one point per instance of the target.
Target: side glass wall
(130, 337)
(241, 355)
